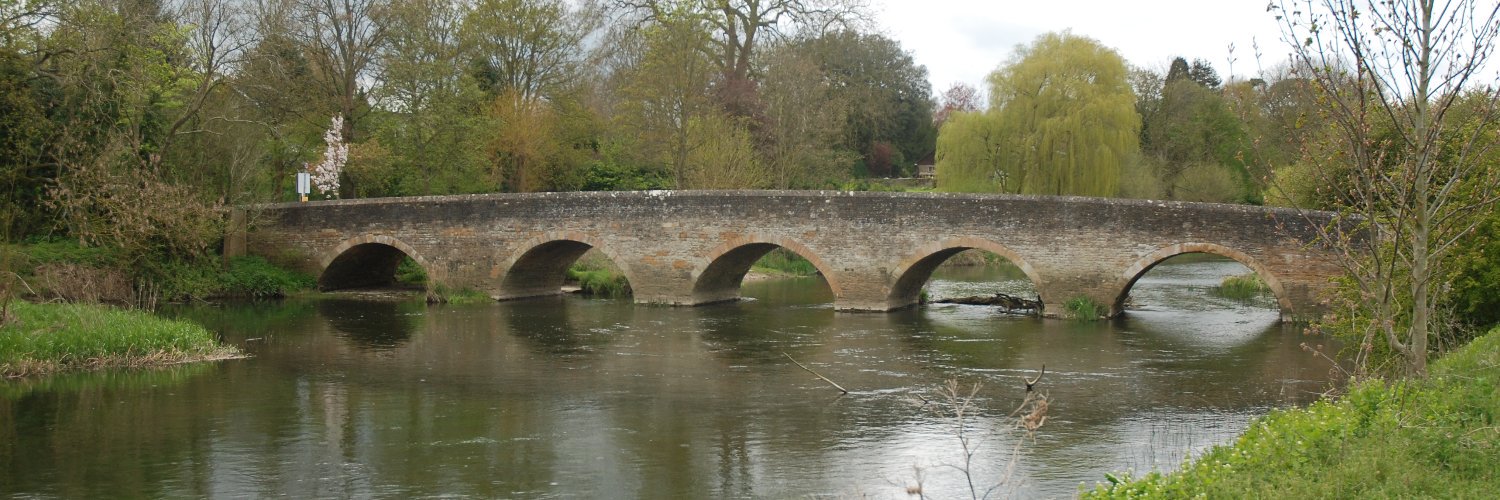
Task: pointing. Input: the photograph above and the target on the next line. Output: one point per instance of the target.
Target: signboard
(304, 184)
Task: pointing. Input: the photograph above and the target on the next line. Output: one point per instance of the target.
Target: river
(586, 398)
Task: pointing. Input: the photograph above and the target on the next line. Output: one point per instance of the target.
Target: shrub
(1084, 309)
(254, 277)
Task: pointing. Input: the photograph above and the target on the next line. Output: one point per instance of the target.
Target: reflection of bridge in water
(876, 250)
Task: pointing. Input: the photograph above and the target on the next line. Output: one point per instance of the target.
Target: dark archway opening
(366, 265)
(782, 275)
(548, 268)
(968, 276)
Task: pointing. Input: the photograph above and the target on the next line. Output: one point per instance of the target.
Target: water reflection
(372, 324)
(557, 326)
(575, 398)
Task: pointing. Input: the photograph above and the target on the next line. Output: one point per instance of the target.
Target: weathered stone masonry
(875, 249)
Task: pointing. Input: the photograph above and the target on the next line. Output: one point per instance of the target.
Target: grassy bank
(1434, 438)
(46, 338)
(783, 262)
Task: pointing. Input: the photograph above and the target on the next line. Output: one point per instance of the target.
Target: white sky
(964, 40)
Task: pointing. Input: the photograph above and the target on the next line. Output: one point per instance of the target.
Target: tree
(804, 123)
(969, 155)
(888, 97)
(666, 89)
(342, 40)
(1064, 122)
(430, 105)
(740, 27)
(1410, 182)
(526, 46)
(959, 98)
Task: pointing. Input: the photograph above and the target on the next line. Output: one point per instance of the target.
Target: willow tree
(1063, 118)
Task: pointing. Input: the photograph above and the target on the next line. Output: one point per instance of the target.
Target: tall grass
(1241, 287)
(1084, 309)
(46, 338)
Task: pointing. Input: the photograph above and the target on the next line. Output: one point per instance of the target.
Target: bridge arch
(542, 264)
(726, 265)
(914, 270)
(1144, 264)
(366, 260)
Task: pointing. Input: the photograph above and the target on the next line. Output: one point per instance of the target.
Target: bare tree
(342, 39)
(1394, 75)
(740, 27)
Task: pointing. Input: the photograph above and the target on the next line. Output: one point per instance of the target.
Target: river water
(585, 398)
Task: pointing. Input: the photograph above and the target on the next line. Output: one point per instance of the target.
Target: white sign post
(304, 185)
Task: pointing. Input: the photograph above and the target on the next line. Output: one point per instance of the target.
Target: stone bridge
(876, 250)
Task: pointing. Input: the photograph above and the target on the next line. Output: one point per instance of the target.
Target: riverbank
(42, 339)
(1434, 438)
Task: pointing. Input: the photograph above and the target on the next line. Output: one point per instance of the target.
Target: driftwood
(1009, 303)
(809, 370)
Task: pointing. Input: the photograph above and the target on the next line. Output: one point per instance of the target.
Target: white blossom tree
(325, 175)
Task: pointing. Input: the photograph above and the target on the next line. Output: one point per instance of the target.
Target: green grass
(1241, 287)
(47, 338)
(787, 262)
(408, 271)
(1084, 309)
(600, 282)
(1434, 438)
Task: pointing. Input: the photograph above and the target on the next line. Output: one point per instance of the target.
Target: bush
(254, 277)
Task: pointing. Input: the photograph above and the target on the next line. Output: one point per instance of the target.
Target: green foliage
(1241, 287)
(254, 277)
(1085, 309)
(1475, 294)
(600, 282)
(408, 271)
(885, 96)
(1062, 121)
(1412, 439)
(783, 261)
(46, 338)
(609, 174)
(968, 155)
(33, 254)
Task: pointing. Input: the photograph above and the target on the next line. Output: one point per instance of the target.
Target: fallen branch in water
(809, 370)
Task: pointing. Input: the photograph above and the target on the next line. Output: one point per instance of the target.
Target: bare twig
(809, 370)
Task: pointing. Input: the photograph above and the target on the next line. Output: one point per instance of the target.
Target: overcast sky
(964, 40)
